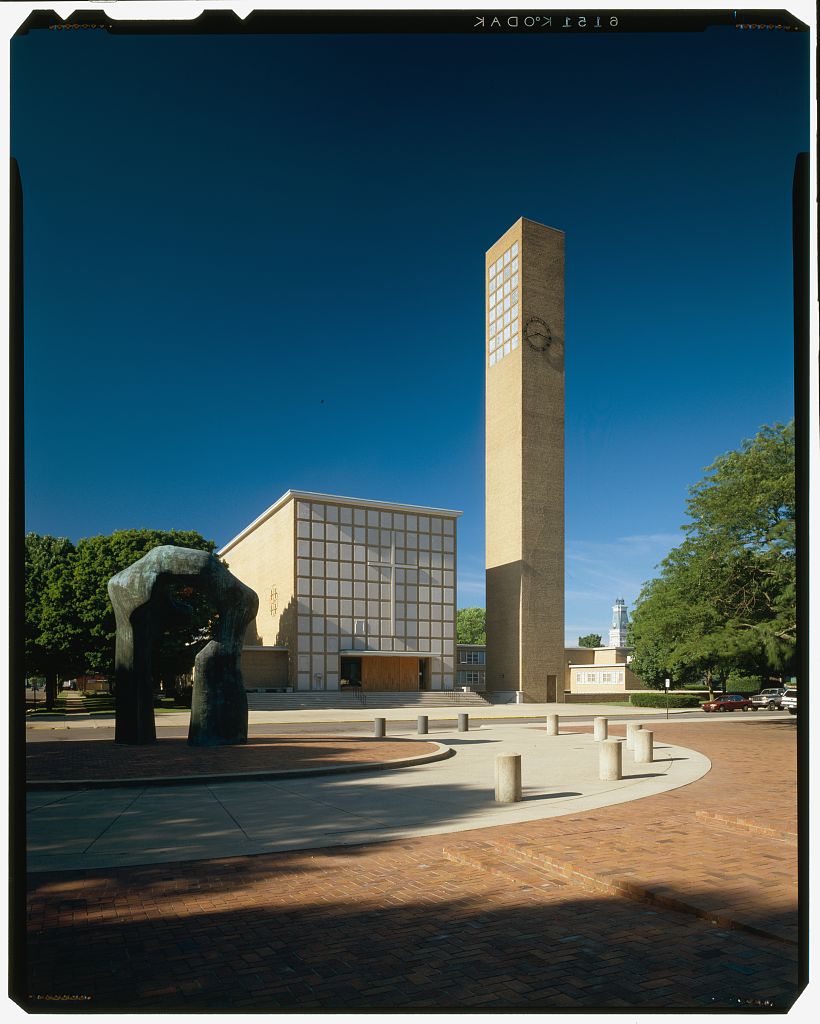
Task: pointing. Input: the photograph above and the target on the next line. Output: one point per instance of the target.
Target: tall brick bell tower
(524, 361)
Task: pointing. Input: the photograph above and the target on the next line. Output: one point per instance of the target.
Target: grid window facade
(503, 305)
(374, 580)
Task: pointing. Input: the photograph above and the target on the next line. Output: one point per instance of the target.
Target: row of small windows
(469, 678)
(600, 677)
(371, 553)
(349, 642)
(373, 607)
(318, 587)
(347, 533)
(373, 517)
(318, 626)
(411, 595)
(472, 657)
(360, 570)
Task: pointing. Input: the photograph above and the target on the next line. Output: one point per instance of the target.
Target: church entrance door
(350, 670)
(381, 672)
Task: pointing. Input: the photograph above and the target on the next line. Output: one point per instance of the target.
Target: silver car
(769, 698)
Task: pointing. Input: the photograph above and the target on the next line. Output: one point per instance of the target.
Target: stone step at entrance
(357, 699)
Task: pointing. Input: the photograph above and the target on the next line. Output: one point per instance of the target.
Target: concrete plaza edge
(560, 778)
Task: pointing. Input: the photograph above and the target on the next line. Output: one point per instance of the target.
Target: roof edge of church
(291, 495)
(521, 220)
(541, 224)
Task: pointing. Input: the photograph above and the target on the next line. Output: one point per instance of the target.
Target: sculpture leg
(134, 683)
(219, 704)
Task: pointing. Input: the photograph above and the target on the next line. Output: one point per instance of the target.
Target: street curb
(441, 754)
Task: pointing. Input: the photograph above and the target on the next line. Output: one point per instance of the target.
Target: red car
(729, 702)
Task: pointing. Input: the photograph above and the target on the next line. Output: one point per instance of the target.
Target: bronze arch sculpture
(142, 596)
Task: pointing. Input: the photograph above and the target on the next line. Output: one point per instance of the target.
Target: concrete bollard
(463, 722)
(609, 761)
(552, 725)
(644, 752)
(421, 724)
(631, 729)
(378, 727)
(507, 778)
(600, 728)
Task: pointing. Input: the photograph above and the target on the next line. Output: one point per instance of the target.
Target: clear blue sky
(255, 264)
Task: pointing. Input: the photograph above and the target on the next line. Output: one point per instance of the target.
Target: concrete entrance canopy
(354, 578)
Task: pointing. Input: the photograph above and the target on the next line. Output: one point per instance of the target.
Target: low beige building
(588, 670)
(600, 670)
(352, 594)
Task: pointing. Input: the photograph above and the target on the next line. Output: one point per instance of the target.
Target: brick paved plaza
(61, 761)
(684, 900)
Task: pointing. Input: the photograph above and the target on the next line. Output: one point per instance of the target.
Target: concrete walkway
(125, 827)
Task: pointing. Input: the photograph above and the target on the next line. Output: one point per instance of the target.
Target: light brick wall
(525, 479)
(264, 561)
(264, 668)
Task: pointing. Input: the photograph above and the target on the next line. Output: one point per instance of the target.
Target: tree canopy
(471, 626)
(590, 640)
(70, 625)
(50, 623)
(725, 597)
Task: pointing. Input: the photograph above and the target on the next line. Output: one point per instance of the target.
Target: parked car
(729, 702)
(789, 701)
(769, 698)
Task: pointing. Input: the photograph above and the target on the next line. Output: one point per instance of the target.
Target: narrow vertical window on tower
(503, 321)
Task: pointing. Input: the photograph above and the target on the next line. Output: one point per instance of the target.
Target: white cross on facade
(392, 565)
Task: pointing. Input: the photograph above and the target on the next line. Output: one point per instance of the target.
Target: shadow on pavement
(294, 934)
(549, 796)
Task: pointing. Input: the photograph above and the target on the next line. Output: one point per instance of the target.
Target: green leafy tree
(471, 626)
(725, 597)
(590, 640)
(51, 630)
